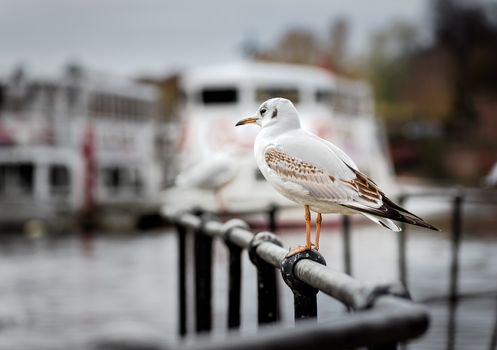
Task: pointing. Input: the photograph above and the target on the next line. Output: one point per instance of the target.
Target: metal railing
(457, 197)
(382, 317)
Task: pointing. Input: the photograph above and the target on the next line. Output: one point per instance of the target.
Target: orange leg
(319, 219)
(308, 244)
(219, 201)
(307, 228)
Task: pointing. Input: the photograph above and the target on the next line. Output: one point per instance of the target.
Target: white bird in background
(211, 174)
(317, 174)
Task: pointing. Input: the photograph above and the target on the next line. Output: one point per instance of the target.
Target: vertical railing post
(181, 237)
(402, 246)
(347, 245)
(203, 280)
(455, 245)
(267, 288)
(272, 216)
(235, 273)
(234, 291)
(454, 269)
(493, 337)
(304, 296)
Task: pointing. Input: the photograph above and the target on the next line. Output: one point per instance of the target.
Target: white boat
(332, 107)
(82, 142)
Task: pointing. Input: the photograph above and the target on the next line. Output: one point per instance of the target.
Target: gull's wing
(321, 169)
(319, 152)
(327, 174)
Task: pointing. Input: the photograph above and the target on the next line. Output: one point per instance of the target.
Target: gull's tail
(387, 223)
(391, 211)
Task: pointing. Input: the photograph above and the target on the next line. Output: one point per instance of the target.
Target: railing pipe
(455, 245)
(203, 280)
(347, 245)
(181, 237)
(391, 321)
(402, 246)
(272, 216)
(454, 269)
(493, 337)
(234, 273)
(332, 282)
(366, 298)
(267, 287)
(234, 284)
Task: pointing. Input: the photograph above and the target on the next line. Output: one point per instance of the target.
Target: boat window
(348, 103)
(16, 178)
(221, 95)
(122, 180)
(265, 93)
(325, 97)
(113, 177)
(59, 179)
(118, 106)
(137, 182)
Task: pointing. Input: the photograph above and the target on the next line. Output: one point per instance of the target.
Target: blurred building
(170, 95)
(81, 142)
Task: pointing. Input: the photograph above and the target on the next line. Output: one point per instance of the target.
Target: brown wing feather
(289, 166)
(366, 188)
(319, 184)
(369, 190)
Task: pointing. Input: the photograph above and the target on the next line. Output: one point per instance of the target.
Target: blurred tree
(438, 94)
(389, 58)
(302, 46)
(467, 31)
(296, 46)
(337, 46)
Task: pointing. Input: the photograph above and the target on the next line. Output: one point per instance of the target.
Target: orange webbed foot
(299, 249)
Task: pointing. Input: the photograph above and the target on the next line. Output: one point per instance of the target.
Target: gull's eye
(263, 110)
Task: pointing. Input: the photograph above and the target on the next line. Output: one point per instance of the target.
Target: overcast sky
(156, 36)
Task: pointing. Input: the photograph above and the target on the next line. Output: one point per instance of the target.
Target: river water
(61, 292)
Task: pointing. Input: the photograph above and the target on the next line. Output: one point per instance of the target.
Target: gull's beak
(249, 120)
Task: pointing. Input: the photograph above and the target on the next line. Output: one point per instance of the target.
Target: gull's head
(276, 112)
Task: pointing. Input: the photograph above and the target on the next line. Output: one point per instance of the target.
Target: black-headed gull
(317, 174)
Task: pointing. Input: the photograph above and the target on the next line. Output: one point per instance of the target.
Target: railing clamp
(259, 238)
(288, 273)
(304, 295)
(206, 216)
